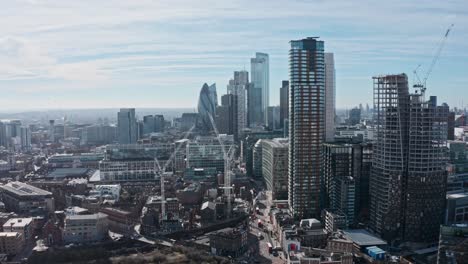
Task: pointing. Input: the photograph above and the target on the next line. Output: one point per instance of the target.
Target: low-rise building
(457, 208)
(334, 220)
(24, 226)
(453, 244)
(229, 242)
(120, 221)
(11, 243)
(23, 198)
(85, 228)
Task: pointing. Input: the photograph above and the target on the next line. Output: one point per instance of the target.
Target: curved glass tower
(207, 103)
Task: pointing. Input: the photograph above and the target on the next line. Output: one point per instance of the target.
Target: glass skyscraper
(260, 77)
(127, 126)
(306, 125)
(207, 103)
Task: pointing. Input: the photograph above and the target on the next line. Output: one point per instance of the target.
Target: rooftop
(9, 234)
(69, 172)
(23, 189)
(363, 238)
(17, 222)
(86, 217)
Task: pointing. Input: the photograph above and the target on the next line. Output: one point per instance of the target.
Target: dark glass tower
(306, 125)
(408, 178)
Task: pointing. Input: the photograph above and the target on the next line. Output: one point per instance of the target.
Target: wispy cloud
(95, 46)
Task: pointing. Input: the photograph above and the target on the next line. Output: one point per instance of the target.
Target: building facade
(238, 86)
(127, 126)
(275, 167)
(306, 125)
(260, 75)
(330, 91)
(207, 103)
(85, 228)
(408, 180)
(284, 103)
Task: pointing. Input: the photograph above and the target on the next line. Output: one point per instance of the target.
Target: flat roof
(17, 222)
(68, 172)
(86, 217)
(363, 238)
(9, 234)
(23, 189)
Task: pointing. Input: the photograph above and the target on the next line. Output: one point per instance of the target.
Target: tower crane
(421, 83)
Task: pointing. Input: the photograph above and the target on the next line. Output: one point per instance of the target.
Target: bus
(270, 248)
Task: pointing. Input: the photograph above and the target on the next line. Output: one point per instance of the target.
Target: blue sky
(88, 54)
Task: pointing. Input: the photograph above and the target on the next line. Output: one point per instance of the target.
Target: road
(265, 232)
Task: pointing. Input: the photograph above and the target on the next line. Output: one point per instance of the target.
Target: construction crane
(421, 83)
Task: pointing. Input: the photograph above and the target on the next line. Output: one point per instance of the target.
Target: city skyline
(135, 54)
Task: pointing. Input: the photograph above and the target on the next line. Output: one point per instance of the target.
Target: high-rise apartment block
(306, 125)
(127, 126)
(260, 75)
(330, 90)
(408, 177)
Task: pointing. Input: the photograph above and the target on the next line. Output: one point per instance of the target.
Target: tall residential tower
(306, 125)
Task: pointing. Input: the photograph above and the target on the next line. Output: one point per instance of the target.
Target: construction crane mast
(421, 83)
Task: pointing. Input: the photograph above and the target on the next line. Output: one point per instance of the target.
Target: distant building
(25, 138)
(187, 121)
(275, 167)
(23, 198)
(134, 162)
(354, 116)
(273, 113)
(284, 103)
(153, 124)
(207, 152)
(127, 126)
(207, 103)
(83, 160)
(226, 117)
(238, 86)
(99, 134)
(9, 129)
(260, 75)
(85, 228)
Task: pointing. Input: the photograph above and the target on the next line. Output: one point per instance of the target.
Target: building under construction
(408, 178)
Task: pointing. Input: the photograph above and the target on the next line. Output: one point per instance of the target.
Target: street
(266, 232)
